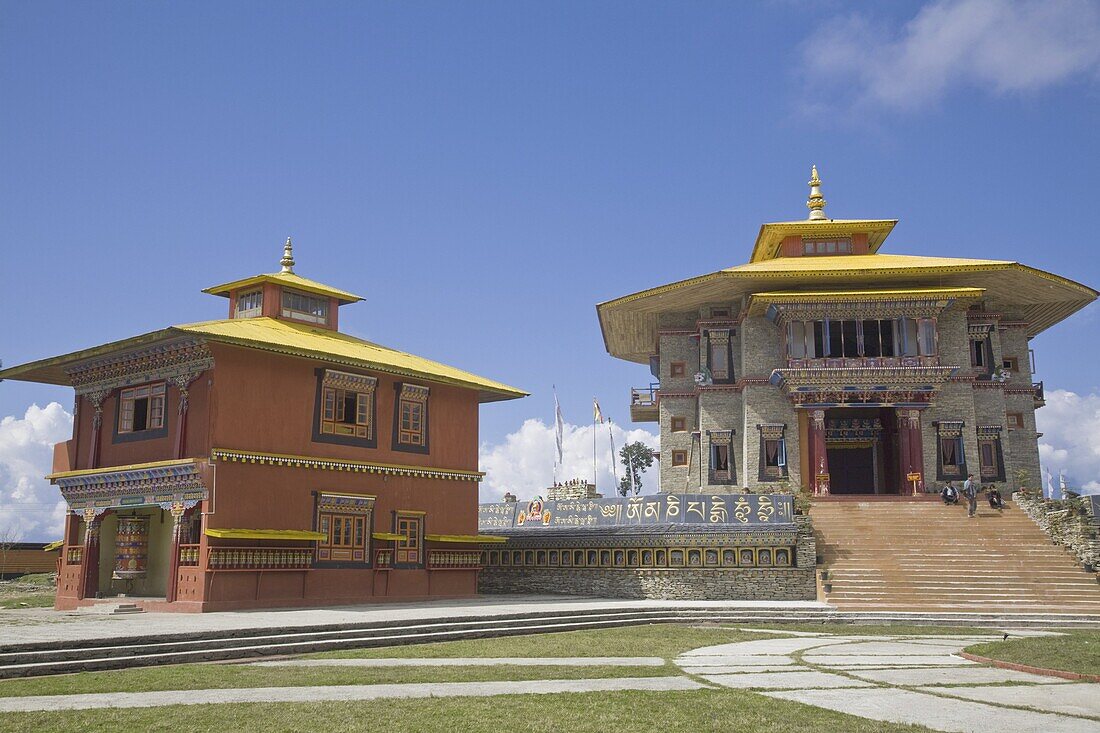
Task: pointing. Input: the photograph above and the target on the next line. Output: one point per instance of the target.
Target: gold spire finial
(288, 257)
(816, 202)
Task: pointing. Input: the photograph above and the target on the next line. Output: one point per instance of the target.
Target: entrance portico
(861, 449)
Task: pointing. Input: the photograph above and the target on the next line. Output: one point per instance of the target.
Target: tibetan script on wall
(729, 509)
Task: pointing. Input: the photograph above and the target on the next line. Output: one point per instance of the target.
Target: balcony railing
(1040, 395)
(643, 403)
(865, 362)
(454, 560)
(260, 558)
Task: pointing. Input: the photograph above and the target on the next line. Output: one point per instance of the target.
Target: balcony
(1040, 395)
(863, 362)
(643, 403)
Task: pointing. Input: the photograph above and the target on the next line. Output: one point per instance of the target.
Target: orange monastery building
(266, 460)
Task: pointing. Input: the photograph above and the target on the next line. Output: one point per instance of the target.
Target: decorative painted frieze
(328, 464)
(176, 360)
(168, 485)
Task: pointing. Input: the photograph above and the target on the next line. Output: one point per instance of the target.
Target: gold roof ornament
(816, 202)
(288, 258)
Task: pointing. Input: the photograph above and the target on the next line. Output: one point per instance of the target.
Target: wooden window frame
(677, 369)
(153, 391)
(1011, 363)
(409, 553)
(678, 421)
(255, 310)
(347, 520)
(679, 458)
(411, 401)
(331, 383)
(304, 315)
(1014, 420)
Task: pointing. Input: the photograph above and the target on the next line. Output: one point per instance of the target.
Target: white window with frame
(141, 408)
(250, 305)
(304, 307)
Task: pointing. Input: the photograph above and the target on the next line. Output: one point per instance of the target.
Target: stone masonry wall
(721, 410)
(695, 584)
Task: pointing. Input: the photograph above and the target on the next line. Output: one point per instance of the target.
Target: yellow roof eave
(288, 279)
(265, 534)
(121, 469)
(388, 536)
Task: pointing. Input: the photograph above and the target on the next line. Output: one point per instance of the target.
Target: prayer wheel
(132, 546)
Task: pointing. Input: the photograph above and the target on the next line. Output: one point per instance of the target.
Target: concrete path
(30, 625)
(338, 693)
(471, 662)
(900, 679)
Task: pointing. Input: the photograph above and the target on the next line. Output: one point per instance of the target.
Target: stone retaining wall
(694, 584)
(1066, 525)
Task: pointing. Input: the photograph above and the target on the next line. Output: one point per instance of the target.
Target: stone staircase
(924, 556)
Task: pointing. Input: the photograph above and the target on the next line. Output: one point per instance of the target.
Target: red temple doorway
(861, 450)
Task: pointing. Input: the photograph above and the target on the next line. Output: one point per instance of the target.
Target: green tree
(636, 457)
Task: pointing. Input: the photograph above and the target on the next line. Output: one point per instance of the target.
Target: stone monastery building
(824, 364)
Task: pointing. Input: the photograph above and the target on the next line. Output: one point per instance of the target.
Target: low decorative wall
(664, 563)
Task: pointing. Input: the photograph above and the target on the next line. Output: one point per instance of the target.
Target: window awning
(468, 538)
(54, 546)
(265, 534)
(387, 536)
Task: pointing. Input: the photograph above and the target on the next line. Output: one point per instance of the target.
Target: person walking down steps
(970, 491)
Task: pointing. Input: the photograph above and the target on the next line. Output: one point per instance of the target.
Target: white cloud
(524, 463)
(1070, 425)
(30, 507)
(1001, 46)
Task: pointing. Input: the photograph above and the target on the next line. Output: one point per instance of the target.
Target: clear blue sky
(484, 173)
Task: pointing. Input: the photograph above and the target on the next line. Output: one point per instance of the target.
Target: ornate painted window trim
(950, 432)
(989, 446)
(411, 418)
(717, 342)
(333, 382)
(354, 512)
(723, 438)
(409, 553)
(773, 447)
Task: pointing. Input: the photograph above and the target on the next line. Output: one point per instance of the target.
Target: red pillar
(174, 554)
(911, 454)
(916, 447)
(819, 457)
(96, 400)
(90, 578)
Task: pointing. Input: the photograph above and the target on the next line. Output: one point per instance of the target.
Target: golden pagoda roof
(629, 323)
(771, 236)
(294, 339)
(288, 279)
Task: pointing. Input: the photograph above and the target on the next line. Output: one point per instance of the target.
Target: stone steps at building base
(120, 653)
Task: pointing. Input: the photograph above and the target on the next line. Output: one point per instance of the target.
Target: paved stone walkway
(901, 680)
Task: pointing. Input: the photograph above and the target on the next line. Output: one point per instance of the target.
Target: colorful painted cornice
(163, 483)
(331, 464)
(175, 359)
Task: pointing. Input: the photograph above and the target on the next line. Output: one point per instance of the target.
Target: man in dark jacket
(970, 491)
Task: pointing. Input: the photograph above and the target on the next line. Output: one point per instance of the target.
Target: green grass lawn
(1076, 651)
(222, 676)
(701, 711)
(28, 600)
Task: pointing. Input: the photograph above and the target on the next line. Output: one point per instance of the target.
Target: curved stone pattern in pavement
(902, 680)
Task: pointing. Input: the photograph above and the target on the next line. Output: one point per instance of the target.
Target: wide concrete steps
(923, 555)
(60, 657)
